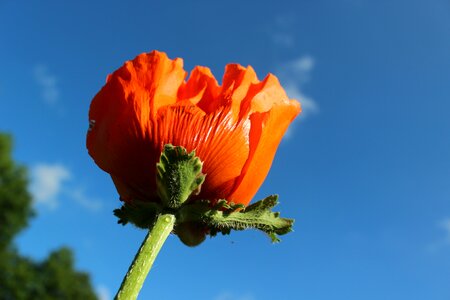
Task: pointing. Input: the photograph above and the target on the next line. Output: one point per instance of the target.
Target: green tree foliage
(15, 201)
(21, 277)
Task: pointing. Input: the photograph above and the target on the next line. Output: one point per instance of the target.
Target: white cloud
(79, 196)
(48, 84)
(230, 296)
(303, 64)
(49, 183)
(46, 183)
(103, 293)
(298, 70)
(294, 75)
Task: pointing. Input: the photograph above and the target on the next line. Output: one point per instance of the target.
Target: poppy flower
(235, 128)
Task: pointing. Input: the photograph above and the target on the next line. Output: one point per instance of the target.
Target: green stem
(143, 261)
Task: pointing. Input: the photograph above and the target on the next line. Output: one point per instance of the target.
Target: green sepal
(178, 175)
(224, 217)
(195, 220)
(141, 214)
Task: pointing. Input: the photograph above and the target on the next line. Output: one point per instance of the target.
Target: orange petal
(262, 96)
(237, 81)
(200, 89)
(159, 76)
(220, 142)
(120, 116)
(267, 129)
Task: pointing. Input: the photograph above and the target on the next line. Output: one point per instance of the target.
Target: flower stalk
(143, 261)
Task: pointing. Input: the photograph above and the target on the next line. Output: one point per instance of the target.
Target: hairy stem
(143, 261)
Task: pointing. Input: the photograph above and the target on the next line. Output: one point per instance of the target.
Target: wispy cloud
(300, 68)
(49, 182)
(294, 75)
(103, 293)
(445, 225)
(46, 183)
(444, 240)
(281, 33)
(231, 296)
(282, 39)
(48, 84)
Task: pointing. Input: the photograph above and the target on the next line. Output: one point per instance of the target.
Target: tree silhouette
(21, 277)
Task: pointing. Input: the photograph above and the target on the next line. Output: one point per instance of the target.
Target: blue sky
(364, 171)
